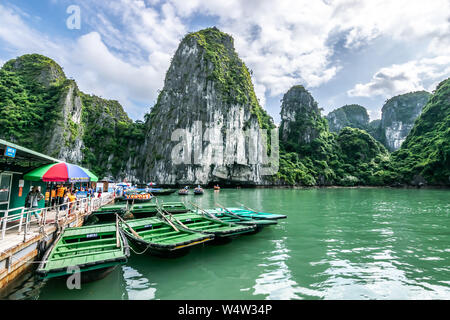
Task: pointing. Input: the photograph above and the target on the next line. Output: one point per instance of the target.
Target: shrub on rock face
(425, 154)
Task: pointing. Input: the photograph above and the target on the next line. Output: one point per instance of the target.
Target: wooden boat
(230, 217)
(94, 250)
(183, 192)
(174, 207)
(247, 213)
(150, 209)
(161, 192)
(198, 191)
(156, 237)
(216, 188)
(108, 212)
(221, 230)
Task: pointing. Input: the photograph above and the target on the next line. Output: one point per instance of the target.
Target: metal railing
(42, 216)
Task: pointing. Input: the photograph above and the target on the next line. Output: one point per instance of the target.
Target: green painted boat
(150, 209)
(162, 192)
(230, 217)
(108, 212)
(156, 237)
(174, 207)
(247, 213)
(92, 250)
(220, 229)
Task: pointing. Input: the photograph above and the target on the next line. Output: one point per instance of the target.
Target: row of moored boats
(165, 229)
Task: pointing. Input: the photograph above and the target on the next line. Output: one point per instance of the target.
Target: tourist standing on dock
(63, 201)
(72, 199)
(53, 197)
(61, 194)
(32, 200)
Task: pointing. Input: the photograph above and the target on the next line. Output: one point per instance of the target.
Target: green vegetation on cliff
(425, 154)
(108, 135)
(37, 102)
(353, 115)
(228, 72)
(30, 89)
(312, 155)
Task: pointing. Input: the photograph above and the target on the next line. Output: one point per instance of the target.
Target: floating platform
(157, 237)
(94, 250)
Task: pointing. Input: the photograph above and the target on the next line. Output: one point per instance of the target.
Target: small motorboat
(216, 187)
(183, 192)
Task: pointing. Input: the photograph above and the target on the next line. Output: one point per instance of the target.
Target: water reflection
(276, 282)
(137, 287)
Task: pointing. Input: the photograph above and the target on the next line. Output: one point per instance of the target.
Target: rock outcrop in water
(195, 132)
(354, 116)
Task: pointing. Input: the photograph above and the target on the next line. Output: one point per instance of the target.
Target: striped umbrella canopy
(61, 172)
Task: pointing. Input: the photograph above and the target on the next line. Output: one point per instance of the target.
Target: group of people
(61, 196)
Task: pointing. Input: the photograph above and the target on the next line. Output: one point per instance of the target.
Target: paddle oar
(168, 221)
(169, 214)
(248, 208)
(117, 233)
(229, 213)
(206, 212)
(129, 227)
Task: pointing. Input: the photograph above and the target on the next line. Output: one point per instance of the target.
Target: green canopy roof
(93, 177)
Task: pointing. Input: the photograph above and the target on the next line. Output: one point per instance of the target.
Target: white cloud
(402, 78)
(287, 42)
(284, 42)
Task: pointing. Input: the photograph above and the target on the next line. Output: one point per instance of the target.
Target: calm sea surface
(335, 244)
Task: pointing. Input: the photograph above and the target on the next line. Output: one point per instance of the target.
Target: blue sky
(342, 51)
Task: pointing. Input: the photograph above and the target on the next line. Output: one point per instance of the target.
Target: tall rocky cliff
(424, 157)
(397, 119)
(301, 121)
(312, 155)
(398, 116)
(195, 132)
(354, 116)
(43, 110)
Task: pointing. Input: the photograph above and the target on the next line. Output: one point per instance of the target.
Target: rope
(131, 248)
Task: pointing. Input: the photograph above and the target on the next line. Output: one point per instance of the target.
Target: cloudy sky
(342, 51)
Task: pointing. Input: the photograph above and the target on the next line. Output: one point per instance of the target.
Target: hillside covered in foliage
(43, 110)
(424, 157)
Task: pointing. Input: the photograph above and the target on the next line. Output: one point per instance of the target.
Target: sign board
(10, 152)
(81, 194)
(21, 183)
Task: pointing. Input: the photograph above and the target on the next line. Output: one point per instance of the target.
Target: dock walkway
(23, 235)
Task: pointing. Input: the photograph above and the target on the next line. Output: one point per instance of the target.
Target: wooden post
(26, 227)
(21, 220)
(5, 219)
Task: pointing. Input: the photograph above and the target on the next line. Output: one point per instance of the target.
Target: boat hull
(175, 251)
(92, 270)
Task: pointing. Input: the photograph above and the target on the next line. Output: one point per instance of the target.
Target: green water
(335, 244)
